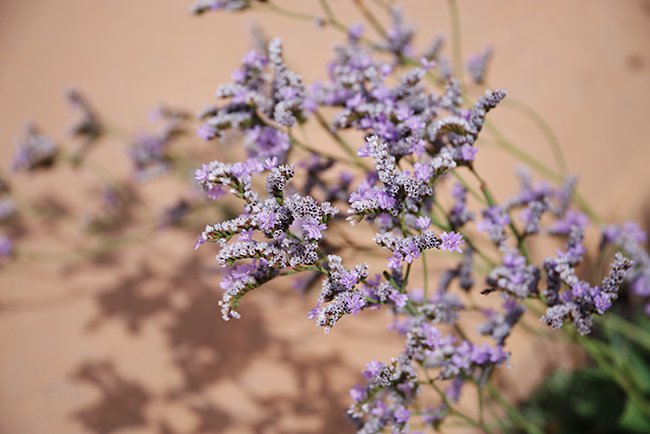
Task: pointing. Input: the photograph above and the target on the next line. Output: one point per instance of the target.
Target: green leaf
(633, 418)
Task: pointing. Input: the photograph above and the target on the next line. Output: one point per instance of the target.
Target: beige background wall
(137, 346)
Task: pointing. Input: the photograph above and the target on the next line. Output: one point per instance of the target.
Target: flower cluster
(290, 227)
(264, 94)
(34, 151)
(150, 152)
(413, 138)
(581, 300)
(88, 127)
(630, 238)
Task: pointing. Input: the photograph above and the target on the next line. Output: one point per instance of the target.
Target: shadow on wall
(205, 352)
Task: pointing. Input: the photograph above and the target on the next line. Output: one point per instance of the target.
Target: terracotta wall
(136, 345)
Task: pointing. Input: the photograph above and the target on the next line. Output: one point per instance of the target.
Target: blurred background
(133, 342)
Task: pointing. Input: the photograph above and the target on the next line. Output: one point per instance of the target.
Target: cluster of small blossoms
(498, 325)
(565, 295)
(630, 239)
(149, 152)
(478, 63)
(515, 276)
(414, 138)
(34, 151)
(580, 301)
(388, 192)
(406, 117)
(340, 294)
(463, 272)
(407, 249)
(291, 227)
(264, 92)
(385, 400)
(88, 127)
(459, 214)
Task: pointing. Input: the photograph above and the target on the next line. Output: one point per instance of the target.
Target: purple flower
(423, 172)
(6, 246)
(477, 65)
(451, 241)
(202, 174)
(364, 151)
(423, 223)
(34, 151)
(349, 279)
(495, 219)
(384, 200)
(355, 31)
(357, 393)
(571, 218)
(355, 302)
(402, 415)
(313, 312)
(200, 240)
(312, 229)
(468, 152)
(373, 369)
(266, 220)
(206, 131)
(215, 192)
(395, 261)
(602, 302)
(580, 289)
(426, 63)
(399, 299)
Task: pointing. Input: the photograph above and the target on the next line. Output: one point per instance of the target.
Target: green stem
(468, 187)
(547, 131)
(331, 18)
(513, 413)
(369, 16)
(627, 329)
(491, 201)
(271, 7)
(312, 150)
(538, 166)
(454, 17)
(453, 411)
(600, 352)
(340, 141)
(425, 275)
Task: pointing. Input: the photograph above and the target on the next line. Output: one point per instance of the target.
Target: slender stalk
(425, 274)
(454, 17)
(600, 352)
(453, 411)
(627, 329)
(340, 141)
(518, 418)
(370, 17)
(468, 187)
(521, 241)
(330, 17)
(547, 131)
(312, 150)
(272, 7)
(481, 402)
